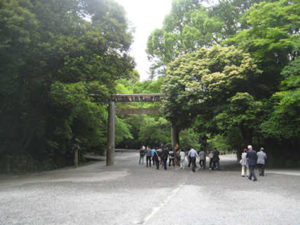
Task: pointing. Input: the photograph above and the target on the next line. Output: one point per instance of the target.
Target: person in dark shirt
(171, 158)
(252, 158)
(216, 159)
(164, 157)
(157, 157)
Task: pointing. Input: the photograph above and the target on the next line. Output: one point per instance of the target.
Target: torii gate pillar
(111, 134)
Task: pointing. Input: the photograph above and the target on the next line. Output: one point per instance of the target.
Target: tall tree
(192, 25)
(54, 54)
(273, 27)
(284, 119)
(185, 29)
(200, 85)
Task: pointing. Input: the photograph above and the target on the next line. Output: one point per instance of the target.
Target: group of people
(250, 159)
(162, 156)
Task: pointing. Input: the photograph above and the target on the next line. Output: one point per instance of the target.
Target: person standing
(202, 161)
(261, 161)
(148, 157)
(216, 159)
(252, 158)
(182, 159)
(193, 154)
(142, 155)
(244, 164)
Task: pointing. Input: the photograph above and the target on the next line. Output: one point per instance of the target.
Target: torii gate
(112, 112)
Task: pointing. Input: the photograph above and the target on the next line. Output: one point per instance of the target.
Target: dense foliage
(190, 26)
(230, 72)
(244, 92)
(214, 87)
(53, 55)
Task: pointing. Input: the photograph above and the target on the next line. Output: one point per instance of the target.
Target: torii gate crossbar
(111, 118)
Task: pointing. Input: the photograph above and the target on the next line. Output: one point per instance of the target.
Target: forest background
(230, 72)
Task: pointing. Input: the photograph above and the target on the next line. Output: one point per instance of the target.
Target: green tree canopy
(211, 91)
(273, 30)
(53, 55)
(284, 119)
(191, 25)
(195, 82)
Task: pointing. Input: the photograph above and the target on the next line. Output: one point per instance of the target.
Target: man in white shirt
(193, 154)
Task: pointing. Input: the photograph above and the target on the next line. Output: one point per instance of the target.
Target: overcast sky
(144, 16)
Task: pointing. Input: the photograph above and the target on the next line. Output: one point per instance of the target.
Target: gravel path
(131, 194)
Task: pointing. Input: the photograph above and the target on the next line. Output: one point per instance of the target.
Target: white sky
(144, 16)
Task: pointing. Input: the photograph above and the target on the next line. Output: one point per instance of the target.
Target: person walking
(261, 161)
(177, 157)
(189, 158)
(244, 164)
(193, 154)
(182, 159)
(164, 157)
(171, 158)
(210, 156)
(142, 155)
(216, 159)
(252, 158)
(202, 161)
(153, 152)
(148, 157)
(157, 157)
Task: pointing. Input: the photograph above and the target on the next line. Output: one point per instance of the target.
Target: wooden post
(76, 148)
(8, 169)
(76, 151)
(111, 134)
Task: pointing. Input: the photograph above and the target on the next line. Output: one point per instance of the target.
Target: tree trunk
(174, 137)
(111, 135)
